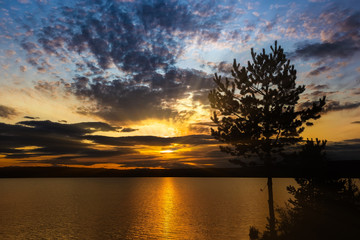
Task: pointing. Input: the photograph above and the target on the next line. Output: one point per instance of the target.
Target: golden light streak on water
(167, 209)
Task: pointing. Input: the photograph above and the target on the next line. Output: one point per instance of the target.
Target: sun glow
(167, 151)
(157, 127)
(188, 113)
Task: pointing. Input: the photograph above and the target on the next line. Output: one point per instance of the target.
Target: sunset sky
(124, 84)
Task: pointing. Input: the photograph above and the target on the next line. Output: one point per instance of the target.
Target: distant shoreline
(341, 169)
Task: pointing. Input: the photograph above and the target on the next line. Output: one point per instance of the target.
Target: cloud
(221, 67)
(331, 105)
(32, 118)
(151, 140)
(340, 37)
(7, 112)
(356, 122)
(128, 130)
(23, 68)
(119, 100)
(317, 87)
(75, 129)
(355, 91)
(340, 49)
(337, 106)
(51, 140)
(10, 53)
(77, 143)
(128, 53)
(354, 140)
(269, 25)
(319, 71)
(135, 37)
(48, 87)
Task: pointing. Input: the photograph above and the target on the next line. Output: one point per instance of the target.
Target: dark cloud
(19, 136)
(356, 91)
(136, 37)
(320, 93)
(356, 122)
(317, 87)
(222, 67)
(50, 139)
(354, 140)
(305, 105)
(119, 100)
(143, 40)
(203, 128)
(23, 68)
(319, 71)
(48, 87)
(129, 129)
(61, 143)
(7, 112)
(151, 140)
(337, 106)
(32, 118)
(225, 67)
(95, 126)
(154, 163)
(351, 24)
(341, 49)
(195, 139)
(341, 41)
(75, 129)
(49, 136)
(331, 105)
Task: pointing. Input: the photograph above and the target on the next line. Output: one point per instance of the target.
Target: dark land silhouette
(341, 169)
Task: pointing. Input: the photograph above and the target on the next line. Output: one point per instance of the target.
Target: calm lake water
(135, 208)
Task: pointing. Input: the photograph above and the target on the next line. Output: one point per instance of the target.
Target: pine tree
(255, 110)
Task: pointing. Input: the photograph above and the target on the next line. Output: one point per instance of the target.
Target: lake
(135, 208)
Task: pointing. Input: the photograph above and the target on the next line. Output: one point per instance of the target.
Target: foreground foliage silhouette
(255, 111)
(320, 207)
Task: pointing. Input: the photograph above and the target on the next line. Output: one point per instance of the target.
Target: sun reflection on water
(168, 209)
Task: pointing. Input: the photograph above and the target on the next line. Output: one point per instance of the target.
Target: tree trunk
(271, 209)
(350, 185)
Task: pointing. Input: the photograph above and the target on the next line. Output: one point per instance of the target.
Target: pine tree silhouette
(255, 111)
